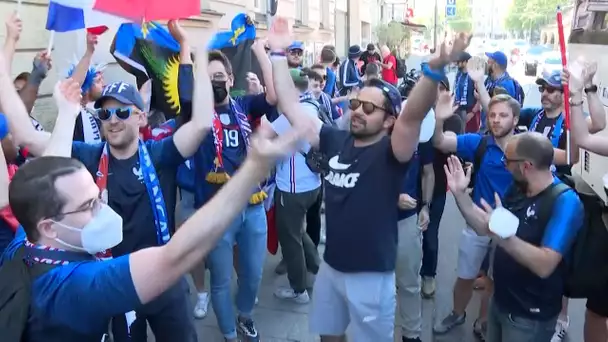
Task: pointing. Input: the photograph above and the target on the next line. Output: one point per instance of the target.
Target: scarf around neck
(218, 174)
(152, 183)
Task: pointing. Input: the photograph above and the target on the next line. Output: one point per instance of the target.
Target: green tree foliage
(526, 15)
(463, 21)
(394, 34)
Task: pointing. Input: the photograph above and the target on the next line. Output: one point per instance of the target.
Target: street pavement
(279, 321)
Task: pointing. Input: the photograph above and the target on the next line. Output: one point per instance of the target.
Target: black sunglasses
(549, 90)
(296, 52)
(121, 113)
(368, 107)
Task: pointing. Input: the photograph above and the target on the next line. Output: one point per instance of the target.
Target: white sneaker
(561, 329)
(202, 305)
(428, 287)
(288, 293)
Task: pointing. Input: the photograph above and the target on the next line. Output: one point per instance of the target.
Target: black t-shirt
(452, 124)
(127, 194)
(361, 194)
(367, 58)
(546, 126)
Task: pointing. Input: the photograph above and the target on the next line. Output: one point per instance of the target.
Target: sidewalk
(276, 320)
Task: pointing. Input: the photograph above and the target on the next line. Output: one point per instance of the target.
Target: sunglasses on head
(121, 113)
(367, 107)
(549, 90)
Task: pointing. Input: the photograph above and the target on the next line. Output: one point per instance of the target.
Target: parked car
(551, 61)
(533, 56)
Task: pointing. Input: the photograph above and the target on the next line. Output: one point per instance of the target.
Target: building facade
(315, 22)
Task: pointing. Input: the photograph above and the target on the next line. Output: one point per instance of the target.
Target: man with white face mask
(65, 224)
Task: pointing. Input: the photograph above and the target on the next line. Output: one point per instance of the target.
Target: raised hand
(177, 31)
(265, 150)
(279, 36)
(92, 41)
(43, 62)
(458, 180)
(444, 108)
(574, 76)
(476, 69)
(14, 26)
(449, 53)
(67, 95)
(589, 72)
(259, 46)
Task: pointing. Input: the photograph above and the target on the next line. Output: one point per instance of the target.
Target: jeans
(249, 232)
(430, 237)
(407, 274)
(299, 252)
(505, 327)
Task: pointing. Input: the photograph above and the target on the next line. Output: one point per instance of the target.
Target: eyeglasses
(549, 90)
(121, 113)
(298, 53)
(506, 160)
(368, 107)
(92, 206)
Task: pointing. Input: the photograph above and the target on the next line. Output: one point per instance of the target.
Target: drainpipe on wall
(348, 13)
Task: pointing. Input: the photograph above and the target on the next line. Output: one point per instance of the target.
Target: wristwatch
(426, 205)
(591, 89)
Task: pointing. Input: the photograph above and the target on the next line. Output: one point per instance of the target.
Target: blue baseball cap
(390, 92)
(122, 92)
(552, 79)
(499, 57)
(297, 45)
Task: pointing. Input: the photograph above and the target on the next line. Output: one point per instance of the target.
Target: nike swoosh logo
(336, 165)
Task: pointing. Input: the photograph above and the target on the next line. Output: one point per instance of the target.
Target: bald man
(528, 284)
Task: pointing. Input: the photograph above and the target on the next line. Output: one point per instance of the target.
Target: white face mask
(103, 232)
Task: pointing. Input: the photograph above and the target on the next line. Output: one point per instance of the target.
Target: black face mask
(219, 91)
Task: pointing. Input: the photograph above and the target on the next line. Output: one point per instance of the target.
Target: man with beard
(527, 270)
(549, 121)
(491, 177)
(498, 77)
(57, 201)
(295, 53)
(137, 180)
(356, 282)
(464, 91)
(218, 158)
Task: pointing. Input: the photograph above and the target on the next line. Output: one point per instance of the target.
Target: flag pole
(51, 42)
(19, 2)
(562, 48)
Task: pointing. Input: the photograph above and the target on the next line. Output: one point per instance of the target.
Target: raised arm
(197, 236)
(289, 102)
(24, 134)
(596, 121)
(404, 138)
(13, 32)
(41, 66)
(266, 66)
(444, 109)
(188, 137)
(81, 69)
(67, 94)
(578, 125)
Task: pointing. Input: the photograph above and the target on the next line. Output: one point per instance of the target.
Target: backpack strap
(480, 152)
(547, 201)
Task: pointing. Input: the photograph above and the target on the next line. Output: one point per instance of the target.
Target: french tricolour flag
(70, 15)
